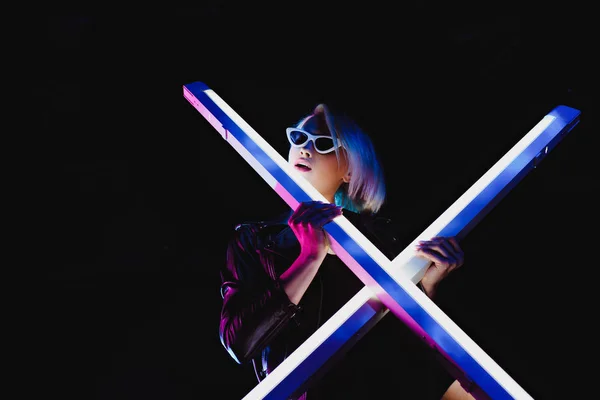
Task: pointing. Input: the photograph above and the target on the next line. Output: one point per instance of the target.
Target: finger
(306, 209)
(318, 216)
(435, 244)
(432, 256)
(454, 243)
(298, 211)
(317, 209)
(444, 242)
(437, 248)
(325, 218)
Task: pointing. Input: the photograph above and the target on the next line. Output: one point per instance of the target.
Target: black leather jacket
(256, 310)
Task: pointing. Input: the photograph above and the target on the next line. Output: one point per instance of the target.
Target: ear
(347, 177)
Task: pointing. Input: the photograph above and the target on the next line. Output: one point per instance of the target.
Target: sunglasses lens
(324, 144)
(298, 138)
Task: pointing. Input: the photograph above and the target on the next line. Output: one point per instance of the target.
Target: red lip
(304, 162)
(301, 169)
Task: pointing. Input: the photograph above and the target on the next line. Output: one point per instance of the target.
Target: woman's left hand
(445, 255)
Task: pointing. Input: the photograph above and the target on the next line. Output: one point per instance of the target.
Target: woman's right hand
(307, 223)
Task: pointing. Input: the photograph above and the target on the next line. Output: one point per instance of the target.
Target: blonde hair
(366, 190)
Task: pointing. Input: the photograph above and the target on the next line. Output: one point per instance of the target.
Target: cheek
(291, 154)
(340, 167)
(331, 168)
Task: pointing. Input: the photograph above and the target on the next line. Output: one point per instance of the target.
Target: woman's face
(322, 170)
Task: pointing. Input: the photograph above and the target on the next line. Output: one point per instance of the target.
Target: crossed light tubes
(390, 285)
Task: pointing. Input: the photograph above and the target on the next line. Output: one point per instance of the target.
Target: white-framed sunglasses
(322, 144)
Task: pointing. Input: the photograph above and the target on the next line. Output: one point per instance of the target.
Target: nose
(308, 148)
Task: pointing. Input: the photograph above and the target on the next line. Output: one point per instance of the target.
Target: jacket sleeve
(255, 307)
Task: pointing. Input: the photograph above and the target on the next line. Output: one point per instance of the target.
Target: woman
(281, 280)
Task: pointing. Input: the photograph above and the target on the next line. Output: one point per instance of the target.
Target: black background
(134, 194)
